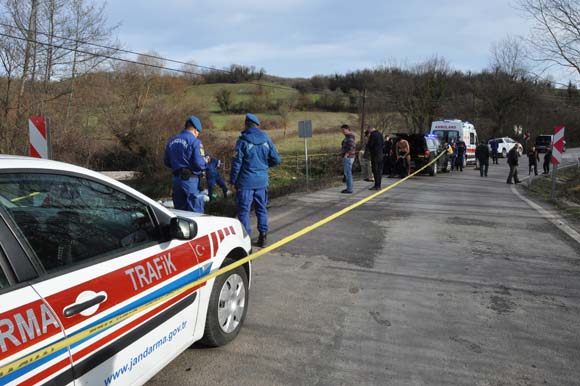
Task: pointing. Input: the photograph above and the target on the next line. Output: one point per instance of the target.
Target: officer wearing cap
(185, 157)
(254, 154)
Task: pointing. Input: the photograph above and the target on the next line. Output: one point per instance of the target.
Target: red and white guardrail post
(557, 150)
(39, 134)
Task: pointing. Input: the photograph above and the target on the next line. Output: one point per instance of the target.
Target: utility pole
(362, 121)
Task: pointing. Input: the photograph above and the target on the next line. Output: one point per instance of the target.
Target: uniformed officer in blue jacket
(185, 156)
(254, 154)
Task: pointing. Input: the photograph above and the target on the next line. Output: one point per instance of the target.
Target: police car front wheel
(227, 308)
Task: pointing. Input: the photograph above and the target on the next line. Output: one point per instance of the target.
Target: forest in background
(110, 108)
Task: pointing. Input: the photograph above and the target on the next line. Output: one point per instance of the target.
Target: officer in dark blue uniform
(254, 154)
(185, 156)
(214, 177)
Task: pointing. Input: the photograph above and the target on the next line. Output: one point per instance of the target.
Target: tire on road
(433, 170)
(227, 307)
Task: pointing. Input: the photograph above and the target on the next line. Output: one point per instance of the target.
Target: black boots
(261, 239)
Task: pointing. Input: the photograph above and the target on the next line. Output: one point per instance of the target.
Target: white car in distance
(504, 145)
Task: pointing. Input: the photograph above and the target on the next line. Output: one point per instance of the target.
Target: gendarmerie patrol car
(96, 279)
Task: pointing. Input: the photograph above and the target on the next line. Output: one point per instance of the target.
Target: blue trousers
(186, 194)
(211, 183)
(259, 197)
(347, 167)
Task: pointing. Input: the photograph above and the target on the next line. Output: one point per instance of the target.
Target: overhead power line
(147, 55)
(97, 55)
(116, 49)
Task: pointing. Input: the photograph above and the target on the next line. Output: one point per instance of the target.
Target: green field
(240, 92)
(325, 125)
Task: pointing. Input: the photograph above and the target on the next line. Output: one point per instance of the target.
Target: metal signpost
(305, 131)
(557, 150)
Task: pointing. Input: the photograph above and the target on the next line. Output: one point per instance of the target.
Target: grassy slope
(326, 133)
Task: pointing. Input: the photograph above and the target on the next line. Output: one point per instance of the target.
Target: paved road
(447, 280)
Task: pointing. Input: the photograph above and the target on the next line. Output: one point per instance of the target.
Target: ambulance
(451, 130)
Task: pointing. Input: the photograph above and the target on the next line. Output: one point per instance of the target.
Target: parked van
(452, 129)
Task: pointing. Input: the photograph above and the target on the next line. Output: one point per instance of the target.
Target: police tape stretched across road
(308, 229)
(70, 340)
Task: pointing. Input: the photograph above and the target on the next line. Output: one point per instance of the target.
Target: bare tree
(508, 55)
(555, 34)
(419, 92)
(87, 24)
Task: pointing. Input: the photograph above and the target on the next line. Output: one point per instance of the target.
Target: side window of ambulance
(67, 220)
(471, 138)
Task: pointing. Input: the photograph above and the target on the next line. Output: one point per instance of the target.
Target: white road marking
(551, 216)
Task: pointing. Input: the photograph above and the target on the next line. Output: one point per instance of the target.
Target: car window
(67, 220)
(3, 280)
(509, 140)
(471, 138)
(499, 140)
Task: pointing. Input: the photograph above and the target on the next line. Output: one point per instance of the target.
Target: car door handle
(77, 308)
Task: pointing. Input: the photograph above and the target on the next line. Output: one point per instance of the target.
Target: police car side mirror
(182, 229)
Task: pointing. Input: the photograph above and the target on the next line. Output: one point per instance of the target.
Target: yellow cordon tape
(25, 197)
(40, 354)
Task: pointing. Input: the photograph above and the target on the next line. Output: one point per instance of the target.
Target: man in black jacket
(375, 149)
(512, 160)
(482, 155)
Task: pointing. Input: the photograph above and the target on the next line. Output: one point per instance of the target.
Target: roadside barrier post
(305, 131)
(557, 150)
(554, 176)
(39, 137)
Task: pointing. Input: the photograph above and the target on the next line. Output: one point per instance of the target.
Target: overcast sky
(301, 38)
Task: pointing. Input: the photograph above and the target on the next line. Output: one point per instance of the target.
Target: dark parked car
(543, 142)
(424, 148)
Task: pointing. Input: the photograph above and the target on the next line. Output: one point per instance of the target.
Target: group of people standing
(381, 155)
(254, 154)
(483, 153)
(391, 156)
(534, 158)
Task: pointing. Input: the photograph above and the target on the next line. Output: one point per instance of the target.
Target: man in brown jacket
(404, 156)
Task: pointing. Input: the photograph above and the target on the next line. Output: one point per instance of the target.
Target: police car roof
(21, 162)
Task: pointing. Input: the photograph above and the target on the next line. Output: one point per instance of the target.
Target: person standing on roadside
(348, 152)
(364, 160)
(374, 146)
(387, 149)
(512, 160)
(482, 155)
(254, 154)
(453, 154)
(460, 149)
(494, 147)
(547, 160)
(404, 157)
(184, 155)
(533, 158)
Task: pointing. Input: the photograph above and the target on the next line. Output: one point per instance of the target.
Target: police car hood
(186, 214)
(254, 135)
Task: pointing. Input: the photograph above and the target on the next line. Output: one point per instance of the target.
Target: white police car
(96, 279)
